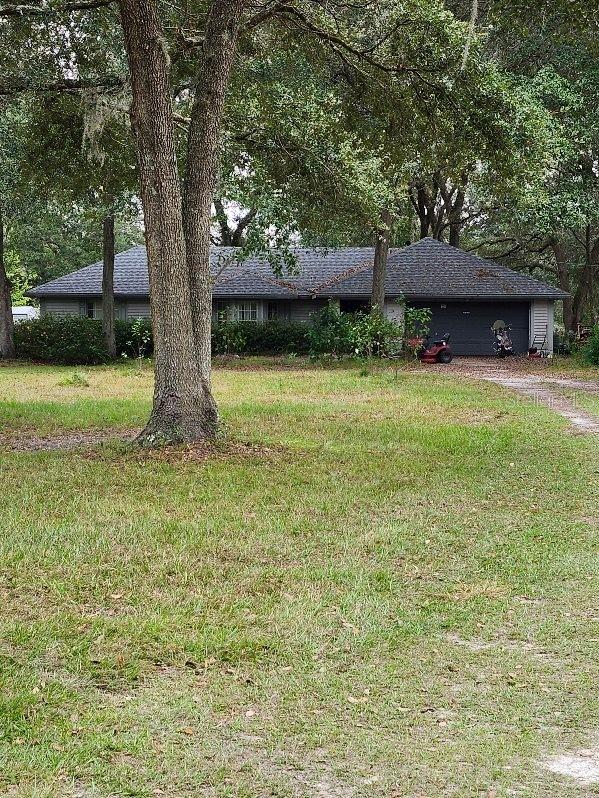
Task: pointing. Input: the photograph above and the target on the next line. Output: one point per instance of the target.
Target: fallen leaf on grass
(353, 700)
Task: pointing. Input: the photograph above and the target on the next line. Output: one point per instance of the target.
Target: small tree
(416, 328)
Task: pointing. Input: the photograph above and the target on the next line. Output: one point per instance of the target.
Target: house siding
(137, 310)
(302, 309)
(542, 323)
(59, 307)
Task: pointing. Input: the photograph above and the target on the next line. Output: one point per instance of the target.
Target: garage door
(469, 324)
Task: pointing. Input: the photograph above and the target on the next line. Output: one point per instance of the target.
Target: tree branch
(67, 85)
(295, 15)
(26, 10)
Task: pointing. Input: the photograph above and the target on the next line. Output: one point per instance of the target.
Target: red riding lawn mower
(437, 352)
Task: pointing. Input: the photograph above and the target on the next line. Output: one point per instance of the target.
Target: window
(245, 311)
(89, 309)
(242, 310)
(278, 310)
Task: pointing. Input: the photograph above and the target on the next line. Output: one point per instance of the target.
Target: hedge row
(590, 350)
(77, 340)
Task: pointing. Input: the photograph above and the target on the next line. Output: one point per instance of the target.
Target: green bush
(338, 334)
(77, 340)
(70, 340)
(590, 350)
(134, 338)
(259, 338)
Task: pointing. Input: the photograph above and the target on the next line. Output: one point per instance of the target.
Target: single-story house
(466, 293)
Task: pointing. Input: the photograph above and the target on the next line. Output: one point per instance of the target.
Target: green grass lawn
(388, 592)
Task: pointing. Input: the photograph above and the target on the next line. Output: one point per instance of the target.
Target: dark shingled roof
(430, 269)
(427, 269)
(253, 277)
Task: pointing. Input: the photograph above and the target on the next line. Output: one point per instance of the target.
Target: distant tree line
(250, 124)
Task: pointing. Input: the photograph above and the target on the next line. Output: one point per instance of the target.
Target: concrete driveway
(536, 380)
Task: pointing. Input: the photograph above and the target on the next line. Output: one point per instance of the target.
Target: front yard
(376, 584)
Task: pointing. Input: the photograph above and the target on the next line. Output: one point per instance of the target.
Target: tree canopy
(251, 123)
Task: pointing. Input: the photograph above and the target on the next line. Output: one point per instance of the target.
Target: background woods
(251, 124)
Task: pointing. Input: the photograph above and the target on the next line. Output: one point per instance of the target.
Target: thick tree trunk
(379, 268)
(108, 286)
(220, 40)
(455, 217)
(423, 211)
(563, 280)
(183, 408)
(593, 281)
(7, 344)
(584, 290)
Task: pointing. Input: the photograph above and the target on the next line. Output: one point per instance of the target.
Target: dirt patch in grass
(582, 766)
(565, 406)
(207, 450)
(83, 439)
(68, 440)
(499, 645)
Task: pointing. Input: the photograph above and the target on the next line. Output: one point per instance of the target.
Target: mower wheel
(444, 357)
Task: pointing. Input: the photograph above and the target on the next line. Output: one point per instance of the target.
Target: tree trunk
(220, 40)
(223, 223)
(582, 295)
(593, 276)
(7, 344)
(455, 217)
(183, 408)
(238, 236)
(379, 268)
(563, 280)
(423, 211)
(108, 286)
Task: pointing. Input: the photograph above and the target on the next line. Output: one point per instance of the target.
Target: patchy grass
(588, 401)
(382, 586)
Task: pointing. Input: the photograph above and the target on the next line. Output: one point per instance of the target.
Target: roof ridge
(249, 273)
(339, 278)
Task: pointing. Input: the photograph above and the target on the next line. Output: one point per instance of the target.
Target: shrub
(79, 341)
(78, 379)
(228, 338)
(273, 337)
(352, 335)
(69, 340)
(134, 338)
(417, 322)
(590, 350)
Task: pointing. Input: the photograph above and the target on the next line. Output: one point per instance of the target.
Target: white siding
(60, 307)
(394, 311)
(137, 310)
(541, 323)
(302, 309)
